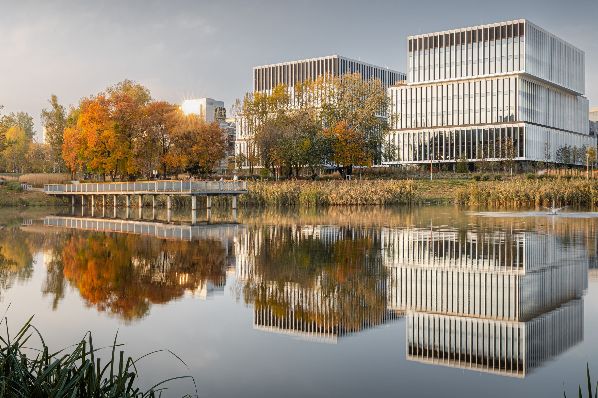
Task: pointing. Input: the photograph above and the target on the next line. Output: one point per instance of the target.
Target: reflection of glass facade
(505, 90)
(494, 301)
(506, 348)
(334, 301)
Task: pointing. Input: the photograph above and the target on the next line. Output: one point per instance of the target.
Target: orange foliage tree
(197, 146)
(349, 147)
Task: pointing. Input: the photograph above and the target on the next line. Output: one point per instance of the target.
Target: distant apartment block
(266, 77)
(490, 92)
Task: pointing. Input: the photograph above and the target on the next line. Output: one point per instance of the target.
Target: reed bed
(520, 192)
(331, 193)
(78, 372)
(39, 179)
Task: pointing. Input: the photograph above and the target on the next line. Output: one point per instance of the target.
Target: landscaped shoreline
(516, 192)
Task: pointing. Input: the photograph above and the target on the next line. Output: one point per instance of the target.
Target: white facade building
(266, 77)
(209, 109)
(504, 90)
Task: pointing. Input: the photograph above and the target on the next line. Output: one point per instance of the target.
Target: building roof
(462, 29)
(326, 57)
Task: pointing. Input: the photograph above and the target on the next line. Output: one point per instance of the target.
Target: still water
(429, 301)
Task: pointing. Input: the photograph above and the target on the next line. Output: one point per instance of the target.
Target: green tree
(54, 121)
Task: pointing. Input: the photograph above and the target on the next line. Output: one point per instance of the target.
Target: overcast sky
(184, 49)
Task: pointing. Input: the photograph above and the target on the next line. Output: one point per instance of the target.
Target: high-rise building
(266, 77)
(490, 92)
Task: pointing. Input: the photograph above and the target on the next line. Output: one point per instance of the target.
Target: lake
(352, 302)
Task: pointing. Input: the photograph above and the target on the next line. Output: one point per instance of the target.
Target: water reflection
(316, 282)
(494, 295)
(487, 300)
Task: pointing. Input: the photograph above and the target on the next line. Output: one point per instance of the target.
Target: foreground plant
(76, 373)
(589, 386)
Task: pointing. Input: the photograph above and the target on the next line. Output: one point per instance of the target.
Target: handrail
(175, 187)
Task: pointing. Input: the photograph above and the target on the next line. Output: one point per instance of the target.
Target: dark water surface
(428, 301)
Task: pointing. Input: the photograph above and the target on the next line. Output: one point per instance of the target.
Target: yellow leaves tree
(349, 147)
(196, 146)
(17, 144)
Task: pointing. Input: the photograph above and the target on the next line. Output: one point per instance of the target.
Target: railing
(174, 187)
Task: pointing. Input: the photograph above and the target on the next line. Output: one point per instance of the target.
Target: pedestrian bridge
(149, 188)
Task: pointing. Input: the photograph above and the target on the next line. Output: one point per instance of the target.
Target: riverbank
(516, 192)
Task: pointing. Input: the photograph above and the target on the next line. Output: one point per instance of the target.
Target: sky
(189, 49)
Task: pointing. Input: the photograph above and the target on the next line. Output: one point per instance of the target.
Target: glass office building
(504, 90)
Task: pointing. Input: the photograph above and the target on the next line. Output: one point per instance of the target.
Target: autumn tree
(54, 121)
(151, 148)
(127, 101)
(22, 120)
(38, 158)
(349, 147)
(17, 144)
(196, 146)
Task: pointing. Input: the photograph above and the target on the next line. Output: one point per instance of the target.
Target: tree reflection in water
(125, 274)
(325, 286)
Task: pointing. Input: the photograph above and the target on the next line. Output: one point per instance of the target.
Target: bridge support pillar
(193, 202)
(208, 201)
(154, 202)
(169, 202)
(83, 201)
(103, 201)
(114, 201)
(72, 200)
(128, 203)
(140, 201)
(92, 201)
(234, 202)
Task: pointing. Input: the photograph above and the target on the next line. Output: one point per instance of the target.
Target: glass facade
(506, 90)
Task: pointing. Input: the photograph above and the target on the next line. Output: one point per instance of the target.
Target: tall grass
(588, 386)
(39, 179)
(78, 372)
(331, 193)
(520, 192)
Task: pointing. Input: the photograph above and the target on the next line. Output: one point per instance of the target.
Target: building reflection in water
(313, 282)
(501, 302)
(493, 300)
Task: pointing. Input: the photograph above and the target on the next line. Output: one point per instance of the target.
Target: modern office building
(266, 77)
(490, 92)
